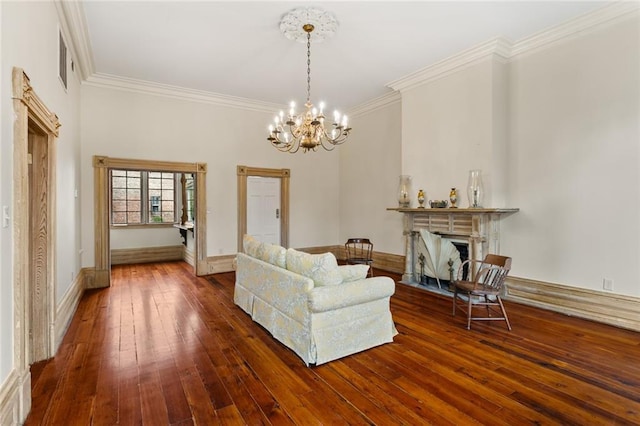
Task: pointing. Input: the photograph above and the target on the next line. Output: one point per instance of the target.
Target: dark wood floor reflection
(162, 346)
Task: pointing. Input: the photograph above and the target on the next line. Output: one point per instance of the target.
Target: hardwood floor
(162, 346)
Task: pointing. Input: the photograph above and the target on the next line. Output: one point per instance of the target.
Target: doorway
(101, 167)
(35, 130)
(40, 249)
(279, 176)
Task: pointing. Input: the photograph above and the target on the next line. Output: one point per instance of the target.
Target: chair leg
(487, 301)
(504, 313)
(455, 299)
(469, 312)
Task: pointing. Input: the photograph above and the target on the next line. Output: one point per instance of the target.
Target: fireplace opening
(438, 260)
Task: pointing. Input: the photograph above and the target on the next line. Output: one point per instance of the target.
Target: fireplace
(474, 231)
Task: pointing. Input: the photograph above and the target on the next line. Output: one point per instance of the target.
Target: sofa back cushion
(270, 253)
(321, 268)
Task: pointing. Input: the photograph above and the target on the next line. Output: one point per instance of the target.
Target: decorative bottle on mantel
(404, 192)
(453, 198)
(474, 189)
(421, 198)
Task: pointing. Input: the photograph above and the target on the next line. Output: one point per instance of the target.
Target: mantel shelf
(449, 210)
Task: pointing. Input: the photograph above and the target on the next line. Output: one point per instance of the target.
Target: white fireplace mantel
(479, 227)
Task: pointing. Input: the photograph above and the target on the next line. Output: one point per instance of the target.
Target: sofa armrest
(351, 293)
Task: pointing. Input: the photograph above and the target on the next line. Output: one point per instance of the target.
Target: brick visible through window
(141, 197)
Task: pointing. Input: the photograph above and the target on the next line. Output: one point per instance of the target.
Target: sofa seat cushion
(321, 268)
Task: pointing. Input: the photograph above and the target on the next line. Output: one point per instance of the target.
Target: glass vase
(404, 192)
(474, 189)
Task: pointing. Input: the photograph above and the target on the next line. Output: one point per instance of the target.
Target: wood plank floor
(162, 346)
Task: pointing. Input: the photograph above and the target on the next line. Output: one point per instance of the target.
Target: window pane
(119, 194)
(133, 182)
(135, 192)
(119, 218)
(167, 194)
(119, 182)
(119, 206)
(133, 217)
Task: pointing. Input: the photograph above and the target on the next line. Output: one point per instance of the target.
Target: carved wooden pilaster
(31, 114)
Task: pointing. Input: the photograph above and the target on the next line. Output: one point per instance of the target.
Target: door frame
(284, 175)
(31, 112)
(101, 167)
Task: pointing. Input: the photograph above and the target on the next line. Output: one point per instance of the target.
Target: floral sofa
(318, 309)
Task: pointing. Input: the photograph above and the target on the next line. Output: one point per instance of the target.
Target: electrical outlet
(607, 284)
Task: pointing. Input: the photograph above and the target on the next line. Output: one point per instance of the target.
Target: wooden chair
(359, 251)
(484, 289)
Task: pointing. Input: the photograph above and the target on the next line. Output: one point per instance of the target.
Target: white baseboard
(68, 305)
(219, 264)
(609, 308)
(189, 256)
(15, 398)
(9, 400)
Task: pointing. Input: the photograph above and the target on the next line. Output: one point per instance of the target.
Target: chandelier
(307, 130)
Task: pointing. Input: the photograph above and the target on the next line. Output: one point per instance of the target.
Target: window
(142, 198)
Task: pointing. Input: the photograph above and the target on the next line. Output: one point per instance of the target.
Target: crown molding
(176, 92)
(504, 50)
(375, 104)
(590, 21)
(74, 24)
(500, 47)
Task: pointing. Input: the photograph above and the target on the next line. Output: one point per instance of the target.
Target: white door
(263, 209)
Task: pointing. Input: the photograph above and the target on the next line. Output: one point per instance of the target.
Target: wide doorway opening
(102, 167)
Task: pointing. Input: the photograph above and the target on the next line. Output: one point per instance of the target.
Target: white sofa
(318, 309)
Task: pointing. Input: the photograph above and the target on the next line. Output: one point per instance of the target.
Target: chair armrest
(470, 263)
(327, 298)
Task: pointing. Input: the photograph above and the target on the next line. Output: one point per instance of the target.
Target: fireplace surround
(479, 228)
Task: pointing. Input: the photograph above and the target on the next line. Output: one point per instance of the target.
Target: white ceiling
(236, 48)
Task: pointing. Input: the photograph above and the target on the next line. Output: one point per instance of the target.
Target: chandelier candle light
(307, 130)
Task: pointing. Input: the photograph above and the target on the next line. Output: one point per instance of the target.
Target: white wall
(369, 171)
(29, 37)
(574, 161)
(556, 134)
(125, 124)
(449, 128)
(144, 237)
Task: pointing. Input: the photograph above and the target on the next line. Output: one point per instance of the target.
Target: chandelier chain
(308, 67)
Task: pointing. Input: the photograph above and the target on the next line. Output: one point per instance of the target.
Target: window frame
(145, 202)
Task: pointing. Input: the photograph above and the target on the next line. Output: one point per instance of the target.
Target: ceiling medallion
(307, 130)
